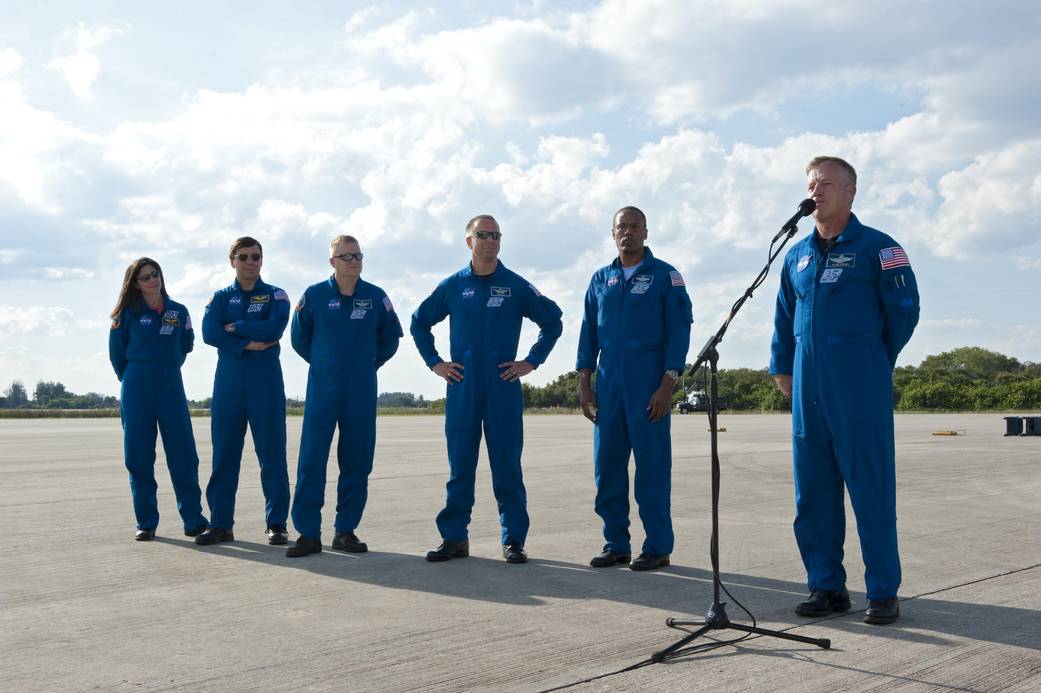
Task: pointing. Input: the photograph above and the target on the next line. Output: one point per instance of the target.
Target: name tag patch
(255, 308)
(804, 262)
(363, 304)
(842, 260)
(166, 329)
(494, 301)
(830, 276)
(358, 313)
(642, 282)
(500, 291)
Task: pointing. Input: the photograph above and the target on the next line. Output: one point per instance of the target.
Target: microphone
(806, 208)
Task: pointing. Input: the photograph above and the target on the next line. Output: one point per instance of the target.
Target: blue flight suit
(146, 348)
(247, 387)
(840, 322)
(485, 316)
(637, 329)
(345, 339)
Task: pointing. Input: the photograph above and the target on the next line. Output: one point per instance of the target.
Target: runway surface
(84, 607)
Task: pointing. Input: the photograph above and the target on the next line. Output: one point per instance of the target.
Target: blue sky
(131, 129)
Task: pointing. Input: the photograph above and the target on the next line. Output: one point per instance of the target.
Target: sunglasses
(147, 276)
(242, 257)
(485, 235)
(347, 257)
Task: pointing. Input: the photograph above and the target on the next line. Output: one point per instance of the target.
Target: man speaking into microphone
(847, 305)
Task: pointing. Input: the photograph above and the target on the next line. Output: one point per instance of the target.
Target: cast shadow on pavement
(681, 591)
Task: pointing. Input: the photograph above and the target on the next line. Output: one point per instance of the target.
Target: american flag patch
(387, 304)
(281, 296)
(532, 287)
(188, 322)
(677, 278)
(894, 257)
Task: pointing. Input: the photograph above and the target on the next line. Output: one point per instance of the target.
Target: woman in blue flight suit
(150, 337)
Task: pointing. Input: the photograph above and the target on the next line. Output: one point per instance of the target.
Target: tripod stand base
(716, 619)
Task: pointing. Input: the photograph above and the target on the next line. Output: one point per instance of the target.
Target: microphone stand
(716, 618)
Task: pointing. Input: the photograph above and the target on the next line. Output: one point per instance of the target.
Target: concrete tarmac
(84, 607)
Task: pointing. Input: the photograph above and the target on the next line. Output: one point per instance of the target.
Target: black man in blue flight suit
(636, 333)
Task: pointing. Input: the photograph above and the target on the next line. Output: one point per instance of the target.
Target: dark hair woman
(151, 335)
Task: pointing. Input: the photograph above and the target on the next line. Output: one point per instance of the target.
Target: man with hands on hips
(486, 304)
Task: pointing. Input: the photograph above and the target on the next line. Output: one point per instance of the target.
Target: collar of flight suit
(256, 287)
(850, 233)
(648, 259)
(331, 282)
(469, 270)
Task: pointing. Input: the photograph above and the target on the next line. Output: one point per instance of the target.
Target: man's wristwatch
(672, 373)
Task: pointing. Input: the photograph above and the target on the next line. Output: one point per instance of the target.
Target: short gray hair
(815, 162)
(342, 238)
(470, 225)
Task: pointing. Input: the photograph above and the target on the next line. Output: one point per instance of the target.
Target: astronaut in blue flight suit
(486, 304)
(346, 328)
(635, 332)
(245, 321)
(847, 305)
(150, 337)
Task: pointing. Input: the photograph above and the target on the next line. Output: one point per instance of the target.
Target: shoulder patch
(534, 290)
(115, 323)
(281, 295)
(894, 257)
(300, 303)
(677, 278)
(387, 304)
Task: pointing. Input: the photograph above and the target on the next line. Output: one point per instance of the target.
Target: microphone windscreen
(807, 206)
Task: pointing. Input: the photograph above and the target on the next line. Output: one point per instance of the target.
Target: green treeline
(965, 379)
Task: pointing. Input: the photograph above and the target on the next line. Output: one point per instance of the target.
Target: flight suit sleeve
(118, 339)
(302, 331)
(898, 291)
(187, 337)
(388, 332)
(547, 315)
(678, 319)
(782, 346)
(588, 339)
(431, 311)
(213, 332)
(273, 327)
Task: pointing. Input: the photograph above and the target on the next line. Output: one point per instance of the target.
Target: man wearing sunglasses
(635, 332)
(346, 328)
(244, 322)
(487, 304)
